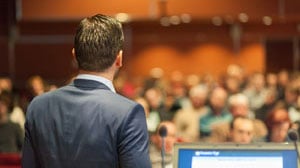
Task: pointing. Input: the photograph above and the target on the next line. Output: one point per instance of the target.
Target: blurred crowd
(235, 107)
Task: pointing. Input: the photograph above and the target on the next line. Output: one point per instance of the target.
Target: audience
(237, 107)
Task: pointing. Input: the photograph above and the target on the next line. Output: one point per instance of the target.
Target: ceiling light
(217, 21)
(267, 20)
(122, 17)
(164, 21)
(175, 20)
(243, 17)
(185, 18)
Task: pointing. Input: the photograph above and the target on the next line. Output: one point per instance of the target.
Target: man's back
(85, 124)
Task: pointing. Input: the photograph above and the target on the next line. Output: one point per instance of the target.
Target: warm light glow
(164, 21)
(217, 21)
(243, 17)
(186, 18)
(123, 17)
(175, 20)
(267, 20)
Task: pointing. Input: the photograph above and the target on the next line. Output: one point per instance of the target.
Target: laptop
(261, 155)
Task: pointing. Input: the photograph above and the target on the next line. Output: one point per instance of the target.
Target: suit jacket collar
(89, 84)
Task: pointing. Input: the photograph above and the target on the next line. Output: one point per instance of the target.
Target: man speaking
(86, 124)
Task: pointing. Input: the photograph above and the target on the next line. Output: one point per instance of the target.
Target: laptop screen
(235, 156)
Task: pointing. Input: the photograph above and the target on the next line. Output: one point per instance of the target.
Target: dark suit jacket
(85, 125)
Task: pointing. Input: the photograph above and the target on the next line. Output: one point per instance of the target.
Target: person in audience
(256, 91)
(178, 89)
(152, 118)
(271, 81)
(192, 80)
(217, 112)
(283, 80)
(278, 124)
(232, 85)
(11, 135)
(36, 85)
(269, 104)
(236, 71)
(155, 79)
(156, 100)
(156, 145)
(187, 119)
(238, 107)
(5, 84)
(241, 130)
(290, 101)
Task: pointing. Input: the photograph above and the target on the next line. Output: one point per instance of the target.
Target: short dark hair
(98, 40)
(236, 118)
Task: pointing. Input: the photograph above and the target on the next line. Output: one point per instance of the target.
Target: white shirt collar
(103, 80)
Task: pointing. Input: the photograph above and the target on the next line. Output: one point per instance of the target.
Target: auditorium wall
(45, 38)
(74, 9)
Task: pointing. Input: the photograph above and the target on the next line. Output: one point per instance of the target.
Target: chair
(10, 160)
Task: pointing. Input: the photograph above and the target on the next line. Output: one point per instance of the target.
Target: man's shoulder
(105, 97)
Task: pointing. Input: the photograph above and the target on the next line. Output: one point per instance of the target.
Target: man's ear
(73, 53)
(74, 60)
(119, 59)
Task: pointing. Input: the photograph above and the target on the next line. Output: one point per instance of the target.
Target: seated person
(241, 130)
(187, 119)
(11, 138)
(152, 118)
(217, 113)
(156, 145)
(278, 123)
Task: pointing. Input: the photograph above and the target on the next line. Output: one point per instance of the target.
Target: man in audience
(5, 84)
(156, 145)
(156, 100)
(269, 103)
(217, 112)
(152, 118)
(256, 91)
(187, 119)
(11, 135)
(241, 130)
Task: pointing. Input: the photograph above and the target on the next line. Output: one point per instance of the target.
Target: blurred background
(193, 36)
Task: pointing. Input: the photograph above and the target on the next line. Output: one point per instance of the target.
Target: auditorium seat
(10, 160)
